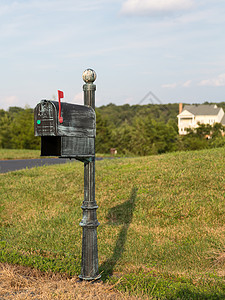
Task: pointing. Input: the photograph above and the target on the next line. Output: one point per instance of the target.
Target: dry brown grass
(18, 282)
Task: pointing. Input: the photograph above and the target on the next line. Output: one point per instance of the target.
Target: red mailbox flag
(60, 95)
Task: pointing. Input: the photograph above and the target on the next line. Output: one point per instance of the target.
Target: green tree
(203, 137)
(5, 130)
(14, 110)
(152, 137)
(22, 131)
(103, 141)
(217, 142)
(217, 130)
(191, 142)
(122, 139)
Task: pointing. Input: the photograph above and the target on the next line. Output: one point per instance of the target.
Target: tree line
(17, 129)
(132, 130)
(151, 129)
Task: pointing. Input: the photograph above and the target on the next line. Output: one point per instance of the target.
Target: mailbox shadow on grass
(120, 214)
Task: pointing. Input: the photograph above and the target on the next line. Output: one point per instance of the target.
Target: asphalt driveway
(18, 164)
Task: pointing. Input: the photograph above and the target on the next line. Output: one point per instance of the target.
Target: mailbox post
(89, 223)
(69, 131)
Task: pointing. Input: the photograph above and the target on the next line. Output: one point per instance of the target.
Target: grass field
(6, 154)
(161, 218)
(18, 154)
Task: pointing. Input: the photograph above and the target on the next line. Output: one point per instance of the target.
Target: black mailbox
(73, 137)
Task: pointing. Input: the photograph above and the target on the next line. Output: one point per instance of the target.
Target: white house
(191, 115)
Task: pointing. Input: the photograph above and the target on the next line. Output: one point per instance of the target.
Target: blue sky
(174, 48)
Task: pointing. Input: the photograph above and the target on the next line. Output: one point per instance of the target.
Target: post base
(89, 278)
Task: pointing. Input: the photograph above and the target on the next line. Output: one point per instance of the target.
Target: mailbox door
(77, 147)
(45, 119)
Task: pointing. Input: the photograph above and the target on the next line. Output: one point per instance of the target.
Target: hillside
(161, 220)
(116, 115)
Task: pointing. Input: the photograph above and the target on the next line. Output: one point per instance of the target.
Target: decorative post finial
(89, 76)
(89, 88)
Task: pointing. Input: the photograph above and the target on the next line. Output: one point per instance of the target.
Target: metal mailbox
(74, 137)
(68, 130)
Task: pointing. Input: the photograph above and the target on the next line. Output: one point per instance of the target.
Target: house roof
(223, 120)
(202, 109)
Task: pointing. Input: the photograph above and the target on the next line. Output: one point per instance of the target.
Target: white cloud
(174, 85)
(49, 5)
(186, 83)
(78, 98)
(145, 7)
(9, 101)
(169, 85)
(217, 81)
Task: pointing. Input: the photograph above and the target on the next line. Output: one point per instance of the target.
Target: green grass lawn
(161, 230)
(18, 154)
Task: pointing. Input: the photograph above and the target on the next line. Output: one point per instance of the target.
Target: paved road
(18, 164)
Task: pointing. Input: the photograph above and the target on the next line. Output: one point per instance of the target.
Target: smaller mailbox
(73, 138)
